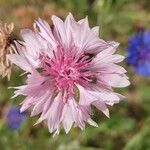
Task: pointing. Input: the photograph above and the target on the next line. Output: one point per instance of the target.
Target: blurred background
(129, 125)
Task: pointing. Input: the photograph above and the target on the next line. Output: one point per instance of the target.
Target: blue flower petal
(143, 69)
(15, 118)
(139, 52)
(147, 39)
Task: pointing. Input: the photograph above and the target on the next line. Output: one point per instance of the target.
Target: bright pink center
(67, 69)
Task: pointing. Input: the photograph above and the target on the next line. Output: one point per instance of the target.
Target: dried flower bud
(7, 46)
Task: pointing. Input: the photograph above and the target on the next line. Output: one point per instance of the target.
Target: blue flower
(15, 118)
(139, 52)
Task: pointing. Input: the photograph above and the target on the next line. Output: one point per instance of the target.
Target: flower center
(66, 69)
(144, 54)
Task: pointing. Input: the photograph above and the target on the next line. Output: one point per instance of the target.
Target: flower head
(139, 52)
(69, 69)
(15, 118)
(7, 46)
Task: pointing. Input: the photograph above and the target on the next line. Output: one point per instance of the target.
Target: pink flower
(69, 69)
